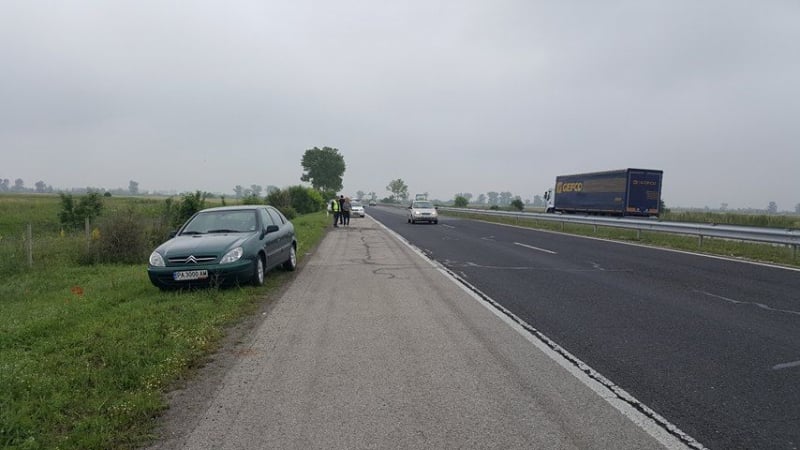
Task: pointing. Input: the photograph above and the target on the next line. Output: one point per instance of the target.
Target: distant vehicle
(372, 203)
(421, 197)
(224, 246)
(356, 209)
(625, 192)
(422, 211)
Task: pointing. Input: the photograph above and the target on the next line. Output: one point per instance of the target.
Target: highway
(711, 344)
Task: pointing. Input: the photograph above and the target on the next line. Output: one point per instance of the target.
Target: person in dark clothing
(341, 209)
(346, 206)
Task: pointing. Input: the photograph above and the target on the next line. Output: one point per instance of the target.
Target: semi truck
(624, 192)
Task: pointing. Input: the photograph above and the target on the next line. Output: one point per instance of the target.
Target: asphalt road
(711, 344)
(373, 346)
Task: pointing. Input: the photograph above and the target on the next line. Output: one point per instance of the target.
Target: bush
(305, 200)
(190, 204)
(460, 202)
(74, 215)
(517, 204)
(280, 199)
(252, 199)
(123, 238)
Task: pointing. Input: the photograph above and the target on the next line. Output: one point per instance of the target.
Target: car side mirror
(271, 229)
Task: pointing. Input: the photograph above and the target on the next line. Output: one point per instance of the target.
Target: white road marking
(535, 248)
(488, 238)
(786, 365)
(739, 302)
(447, 226)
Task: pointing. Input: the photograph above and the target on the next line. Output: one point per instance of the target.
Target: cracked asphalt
(371, 346)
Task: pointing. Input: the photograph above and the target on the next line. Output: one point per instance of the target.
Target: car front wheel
(258, 274)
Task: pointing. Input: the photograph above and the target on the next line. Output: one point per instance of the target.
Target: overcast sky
(450, 96)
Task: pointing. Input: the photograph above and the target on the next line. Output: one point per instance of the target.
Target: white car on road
(422, 211)
(356, 209)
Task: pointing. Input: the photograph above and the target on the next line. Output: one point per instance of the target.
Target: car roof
(233, 208)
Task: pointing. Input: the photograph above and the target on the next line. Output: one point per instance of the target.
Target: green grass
(88, 352)
(776, 254)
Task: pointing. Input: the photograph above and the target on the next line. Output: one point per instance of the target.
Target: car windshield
(356, 203)
(423, 205)
(222, 222)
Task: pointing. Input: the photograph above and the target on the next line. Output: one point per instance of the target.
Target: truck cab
(549, 201)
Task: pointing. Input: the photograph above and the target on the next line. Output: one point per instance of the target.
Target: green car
(225, 246)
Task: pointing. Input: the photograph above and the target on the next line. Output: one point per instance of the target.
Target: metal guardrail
(758, 234)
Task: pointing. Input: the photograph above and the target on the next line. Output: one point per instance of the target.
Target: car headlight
(232, 256)
(156, 260)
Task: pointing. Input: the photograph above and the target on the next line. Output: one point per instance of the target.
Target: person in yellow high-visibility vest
(336, 209)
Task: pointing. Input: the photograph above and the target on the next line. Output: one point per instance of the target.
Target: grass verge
(87, 352)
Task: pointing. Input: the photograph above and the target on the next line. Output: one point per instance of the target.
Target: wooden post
(29, 245)
(87, 226)
(700, 240)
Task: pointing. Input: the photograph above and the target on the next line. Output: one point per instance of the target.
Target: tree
(517, 204)
(74, 215)
(41, 187)
(538, 200)
(481, 199)
(492, 197)
(505, 198)
(133, 187)
(323, 168)
(19, 185)
(256, 190)
(238, 191)
(360, 194)
(399, 189)
(772, 208)
(460, 201)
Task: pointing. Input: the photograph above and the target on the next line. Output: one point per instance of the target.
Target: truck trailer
(625, 192)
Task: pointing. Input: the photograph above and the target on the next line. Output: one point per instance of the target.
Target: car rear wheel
(291, 263)
(258, 274)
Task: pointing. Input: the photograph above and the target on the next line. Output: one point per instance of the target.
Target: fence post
(88, 229)
(699, 240)
(29, 245)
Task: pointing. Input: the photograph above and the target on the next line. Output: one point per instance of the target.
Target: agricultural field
(88, 348)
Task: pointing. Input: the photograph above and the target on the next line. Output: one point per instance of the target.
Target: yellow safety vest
(335, 206)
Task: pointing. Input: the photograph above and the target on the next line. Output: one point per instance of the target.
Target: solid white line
(786, 365)
(447, 226)
(535, 248)
(651, 422)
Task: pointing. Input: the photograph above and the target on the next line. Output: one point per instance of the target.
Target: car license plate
(190, 275)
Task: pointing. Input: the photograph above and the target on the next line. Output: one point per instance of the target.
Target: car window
(422, 205)
(276, 216)
(265, 218)
(355, 203)
(222, 222)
